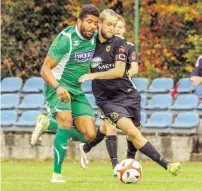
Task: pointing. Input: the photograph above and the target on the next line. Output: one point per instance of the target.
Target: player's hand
(196, 80)
(86, 77)
(63, 95)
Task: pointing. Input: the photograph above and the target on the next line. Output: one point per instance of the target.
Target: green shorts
(79, 105)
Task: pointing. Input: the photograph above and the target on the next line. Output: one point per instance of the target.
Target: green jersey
(74, 54)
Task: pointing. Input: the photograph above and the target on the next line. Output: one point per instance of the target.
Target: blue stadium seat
(161, 85)
(185, 85)
(198, 90)
(8, 118)
(91, 100)
(199, 107)
(143, 100)
(159, 120)
(141, 84)
(143, 118)
(33, 85)
(32, 101)
(159, 102)
(11, 84)
(87, 86)
(185, 102)
(186, 120)
(28, 119)
(9, 101)
(98, 121)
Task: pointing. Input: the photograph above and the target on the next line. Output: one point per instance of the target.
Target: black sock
(99, 137)
(152, 153)
(131, 152)
(111, 144)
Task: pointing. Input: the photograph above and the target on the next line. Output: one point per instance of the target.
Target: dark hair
(88, 10)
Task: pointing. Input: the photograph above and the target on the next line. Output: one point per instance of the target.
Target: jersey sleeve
(59, 47)
(132, 56)
(196, 71)
(120, 50)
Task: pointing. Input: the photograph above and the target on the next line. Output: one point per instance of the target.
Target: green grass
(35, 176)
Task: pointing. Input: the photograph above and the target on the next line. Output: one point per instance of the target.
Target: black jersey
(105, 56)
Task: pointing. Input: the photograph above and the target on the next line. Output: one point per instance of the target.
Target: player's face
(107, 27)
(88, 26)
(120, 28)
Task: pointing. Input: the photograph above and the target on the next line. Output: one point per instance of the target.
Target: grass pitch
(35, 176)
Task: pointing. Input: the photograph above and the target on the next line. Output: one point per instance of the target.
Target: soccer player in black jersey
(110, 133)
(115, 94)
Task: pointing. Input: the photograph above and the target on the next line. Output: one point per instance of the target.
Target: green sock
(60, 148)
(77, 136)
(53, 126)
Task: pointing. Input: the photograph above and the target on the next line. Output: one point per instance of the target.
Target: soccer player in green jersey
(68, 58)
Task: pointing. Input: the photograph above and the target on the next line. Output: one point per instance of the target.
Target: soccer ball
(129, 171)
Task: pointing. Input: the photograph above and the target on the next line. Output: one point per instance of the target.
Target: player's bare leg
(100, 135)
(85, 125)
(144, 146)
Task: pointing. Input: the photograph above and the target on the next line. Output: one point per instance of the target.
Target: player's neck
(101, 38)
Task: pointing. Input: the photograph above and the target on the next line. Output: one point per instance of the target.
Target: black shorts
(127, 107)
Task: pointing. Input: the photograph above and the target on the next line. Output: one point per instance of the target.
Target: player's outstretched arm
(114, 73)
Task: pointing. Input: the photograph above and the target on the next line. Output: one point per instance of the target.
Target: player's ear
(79, 22)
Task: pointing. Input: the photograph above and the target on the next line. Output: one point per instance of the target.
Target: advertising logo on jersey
(96, 62)
(84, 56)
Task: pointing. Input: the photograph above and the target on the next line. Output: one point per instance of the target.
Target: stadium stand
(33, 85)
(9, 101)
(8, 118)
(91, 99)
(160, 102)
(185, 86)
(199, 107)
(159, 122)
(32, 101)
(161, 85)
(141, 84)
(98, 121)
(11, 85)
(143, 118)
(143, 100)
(27, 119)
(185, 102)
(87, 86)
(186, 122)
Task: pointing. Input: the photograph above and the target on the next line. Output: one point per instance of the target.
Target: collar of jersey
(79, 34)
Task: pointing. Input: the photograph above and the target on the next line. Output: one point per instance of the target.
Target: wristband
(57, 86)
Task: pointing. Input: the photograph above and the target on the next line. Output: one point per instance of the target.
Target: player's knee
(90, 135)
(64, 121)
(134, 134)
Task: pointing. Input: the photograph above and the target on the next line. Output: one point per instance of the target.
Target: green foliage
(28, 28)
(170, 33)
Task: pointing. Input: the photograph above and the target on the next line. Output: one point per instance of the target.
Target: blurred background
(170, 41)
(169, 37)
